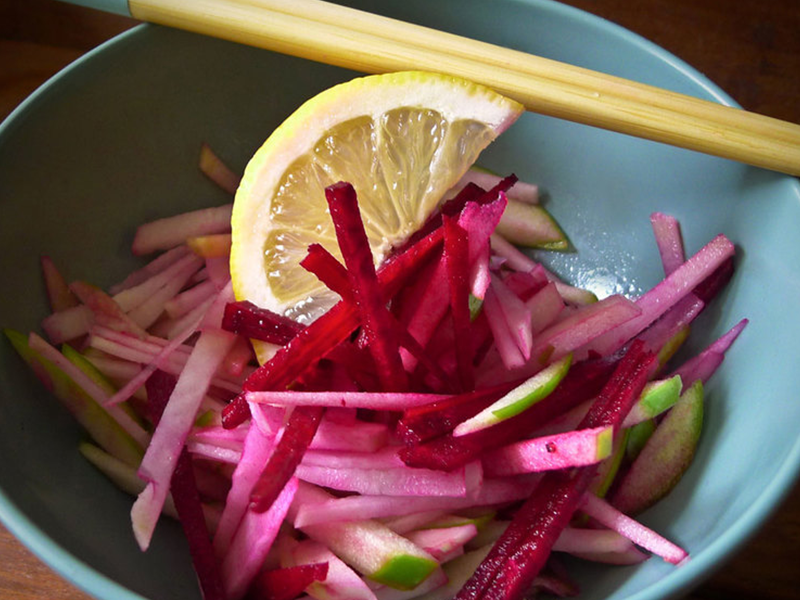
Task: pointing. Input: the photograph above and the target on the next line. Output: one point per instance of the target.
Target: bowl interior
(113, 141)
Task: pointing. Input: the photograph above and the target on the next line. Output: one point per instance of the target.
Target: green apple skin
(94, 419)
(665, 457)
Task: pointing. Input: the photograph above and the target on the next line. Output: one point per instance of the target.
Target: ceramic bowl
(113, 140)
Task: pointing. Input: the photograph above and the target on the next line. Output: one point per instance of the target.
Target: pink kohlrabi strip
(372, 400)
(180, 271)
(521, 190)
(168, 232)
(356, 436)
(106, 311)
(252, 542)
(395, 481)
(572, 332)
(385, 458)
(218, 271)
(672, 322)
(168, 439)
(142, 350)
(341, 583)
(217, 435)
(480, 221)
(148, 311)
(440, 542)
(669, 240)
(256, 451)
(210, 318)
(583, 326)
(175, 329)
(68, 324)
(358, 507)
(157, 362)
(545, 306)
(604, 513)
(514, 257)
(185, 301)
(666, 294)
(579, 540)
(214, 453)
(517, 316)
(705, 364)
(139, 352)
(155, 266)
(559, 451)
(504, 339)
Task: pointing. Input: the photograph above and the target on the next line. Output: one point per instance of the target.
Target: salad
(449, 425)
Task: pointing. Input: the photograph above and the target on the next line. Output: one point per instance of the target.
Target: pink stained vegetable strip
(186, 497)
(337, 409)
(669, 240)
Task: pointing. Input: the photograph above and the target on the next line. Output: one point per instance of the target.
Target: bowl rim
(86, 578)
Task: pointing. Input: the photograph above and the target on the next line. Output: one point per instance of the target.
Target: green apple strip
(370, 547)
(657, 397)
(665, 457)
(559, 451)
(121, 475)
(97, 422)
(531, 226)
(519, 399)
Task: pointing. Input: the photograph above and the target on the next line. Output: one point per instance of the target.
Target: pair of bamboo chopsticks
(365, 42)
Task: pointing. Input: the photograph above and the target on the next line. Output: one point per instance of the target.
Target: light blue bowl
(113, 141)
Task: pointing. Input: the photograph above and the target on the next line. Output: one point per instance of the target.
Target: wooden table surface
(751, 48)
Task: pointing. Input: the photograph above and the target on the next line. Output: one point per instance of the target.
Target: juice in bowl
(628, 272)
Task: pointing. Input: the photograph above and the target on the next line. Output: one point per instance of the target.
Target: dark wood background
(751, 48)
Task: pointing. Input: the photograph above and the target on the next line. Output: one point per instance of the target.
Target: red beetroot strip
(456, 257)
(249, 320)
(368, 296)
(159, 388)
(334, 275)
(297, 434)
(516, 559)
(321, 263)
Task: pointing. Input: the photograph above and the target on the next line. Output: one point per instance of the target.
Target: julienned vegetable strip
(456, 257)
(368, 296)
(186, 497)
(176, 422)
(297, 435)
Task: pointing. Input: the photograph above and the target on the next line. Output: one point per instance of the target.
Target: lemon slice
(401, 139)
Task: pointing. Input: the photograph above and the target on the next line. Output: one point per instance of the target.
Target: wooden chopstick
(361, 41)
